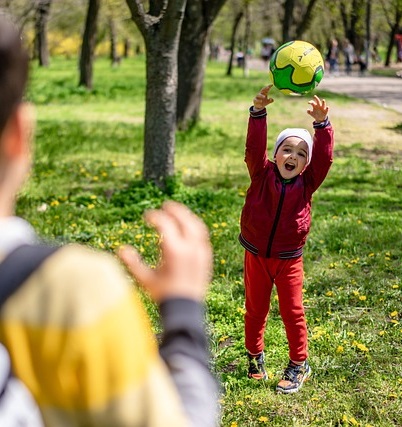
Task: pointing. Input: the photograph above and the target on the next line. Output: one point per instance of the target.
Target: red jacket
(276, 216)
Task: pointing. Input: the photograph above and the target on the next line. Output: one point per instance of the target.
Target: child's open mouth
(289, 167)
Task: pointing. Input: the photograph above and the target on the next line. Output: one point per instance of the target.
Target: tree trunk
(198, 19)
(287, 20)
(235, 27)
(305, 23)
(41, 46)
(89, 44)
(160, 113)
(391, 44)
(161, 31)
(114, 57)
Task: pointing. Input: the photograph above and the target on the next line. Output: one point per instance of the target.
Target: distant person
(333, 57)
(76, 331)
(362, 61)
(266, 52)
(350, 55)
(275, 222)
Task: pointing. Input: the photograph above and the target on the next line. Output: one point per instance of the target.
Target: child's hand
(319, 110)
(261, 100)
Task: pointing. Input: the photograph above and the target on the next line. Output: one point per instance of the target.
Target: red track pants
(260, 275)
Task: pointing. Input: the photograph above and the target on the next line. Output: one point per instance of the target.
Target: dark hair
(13, 69)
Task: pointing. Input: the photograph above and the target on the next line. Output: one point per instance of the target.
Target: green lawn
(86, 186)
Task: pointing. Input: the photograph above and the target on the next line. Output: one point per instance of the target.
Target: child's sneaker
(294, 377)
(256, 368)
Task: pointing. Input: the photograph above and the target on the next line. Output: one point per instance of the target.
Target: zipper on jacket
(277, 216)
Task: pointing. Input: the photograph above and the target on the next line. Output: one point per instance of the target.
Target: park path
(385, 91)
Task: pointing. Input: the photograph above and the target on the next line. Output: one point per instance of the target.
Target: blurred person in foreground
(76, 332)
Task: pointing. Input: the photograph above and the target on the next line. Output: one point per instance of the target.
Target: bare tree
(160, 28)
(198, 19)
(89, 44)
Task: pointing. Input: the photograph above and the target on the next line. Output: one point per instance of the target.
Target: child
(275, 222)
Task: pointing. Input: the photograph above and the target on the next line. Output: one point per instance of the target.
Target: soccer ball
(296, 67)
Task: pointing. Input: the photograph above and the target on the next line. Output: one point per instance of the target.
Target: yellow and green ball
(296, 67)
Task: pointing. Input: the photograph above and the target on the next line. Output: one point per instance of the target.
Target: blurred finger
(133, 261)
(189, 224)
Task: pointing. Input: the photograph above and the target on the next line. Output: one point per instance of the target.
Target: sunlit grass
(86, 187)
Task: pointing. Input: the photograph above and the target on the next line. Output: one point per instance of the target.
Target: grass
(86, 187)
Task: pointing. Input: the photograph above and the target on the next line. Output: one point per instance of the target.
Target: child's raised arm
(319, 111)
(261, 100)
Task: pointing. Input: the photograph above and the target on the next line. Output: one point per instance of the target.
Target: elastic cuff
(323, 124)
(257, 114)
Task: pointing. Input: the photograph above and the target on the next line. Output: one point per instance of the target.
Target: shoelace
(292, 371)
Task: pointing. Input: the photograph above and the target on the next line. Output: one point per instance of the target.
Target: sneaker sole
(257, 378)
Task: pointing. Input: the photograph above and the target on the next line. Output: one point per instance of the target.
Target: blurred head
(16, 117)
(13, 70)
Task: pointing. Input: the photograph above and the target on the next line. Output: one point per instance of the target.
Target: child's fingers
(265, 89)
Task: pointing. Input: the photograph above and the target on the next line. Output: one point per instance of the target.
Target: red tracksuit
(275, 222)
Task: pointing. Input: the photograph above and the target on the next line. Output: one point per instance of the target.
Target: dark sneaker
(256, 368)
(294, 377)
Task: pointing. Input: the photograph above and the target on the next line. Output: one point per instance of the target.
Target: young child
(275, 222)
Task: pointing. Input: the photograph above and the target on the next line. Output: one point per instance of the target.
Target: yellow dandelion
(395, 286)
(394, 314)
(138, 236)
(234, 424)
(93, 197)
(263, 419)
(215, 225)
(223, 261)
(239, 403)
(114, 164)
(381, 333)
(95, 178)
(340, 349)
(371, 254)
(223, 224)
(392, 396)
(91, 206)
(329, 294)
(54, 203)
(360, 346)
(355, 293)
(362, 298)
(222, 275)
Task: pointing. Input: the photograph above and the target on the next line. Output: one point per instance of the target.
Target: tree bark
(42, 11)
(198, 19)
(160, 28)
(89, 44)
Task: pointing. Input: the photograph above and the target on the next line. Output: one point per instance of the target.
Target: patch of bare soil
(375, 128)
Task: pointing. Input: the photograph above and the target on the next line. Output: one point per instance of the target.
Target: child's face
(291, 157)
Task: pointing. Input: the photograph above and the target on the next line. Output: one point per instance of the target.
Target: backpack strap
(19, 265)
